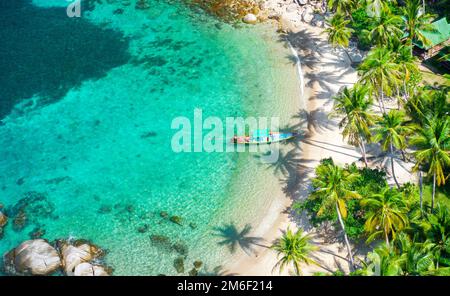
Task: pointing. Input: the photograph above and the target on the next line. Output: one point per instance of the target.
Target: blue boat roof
(261, 133)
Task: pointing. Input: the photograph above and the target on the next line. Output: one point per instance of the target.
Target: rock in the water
(35, 257)
(181, 248)
(178, 263)
(37, 232)
(3, 219)
(20, 221)
(193, 272)
(198, 264)
(87, 269)
(177, 220)
(250, 18)
(144, 228)
(75, 253)
(142, 4)
(308, 14)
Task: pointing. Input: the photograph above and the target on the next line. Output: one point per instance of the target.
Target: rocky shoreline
(290, 14)
(67, 256)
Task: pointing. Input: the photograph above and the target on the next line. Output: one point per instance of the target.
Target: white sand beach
(325, 71)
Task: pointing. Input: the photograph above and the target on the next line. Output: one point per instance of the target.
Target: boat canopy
(261, 133)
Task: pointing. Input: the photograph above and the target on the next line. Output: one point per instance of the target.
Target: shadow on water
(46, 53)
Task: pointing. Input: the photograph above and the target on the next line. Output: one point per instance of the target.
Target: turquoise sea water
(85, 137)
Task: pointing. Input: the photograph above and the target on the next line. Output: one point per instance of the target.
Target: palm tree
(429, 103)
(436, 227)
(415, 22)
(383, 261)
(232, 238)
(344, 7)
(353, 104)
(386, 214)
(380, 72)
(338, 32)
(295, 249)
(433, 148)
(391, 132)
(407, 63)
(417, 257)
(332, 183)
(386, 27)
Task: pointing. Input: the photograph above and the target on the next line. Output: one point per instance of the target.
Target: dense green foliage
(408, 224)
(367, 182)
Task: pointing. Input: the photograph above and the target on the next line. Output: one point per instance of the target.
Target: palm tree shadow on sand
(233, 238)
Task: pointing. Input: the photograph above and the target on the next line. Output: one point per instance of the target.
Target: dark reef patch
(46, 53)
(30, 209)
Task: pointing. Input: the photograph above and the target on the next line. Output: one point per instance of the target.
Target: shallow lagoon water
(86, 127)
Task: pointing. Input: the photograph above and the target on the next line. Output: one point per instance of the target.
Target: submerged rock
(20, 221)
(37, 232)
(118, 11)
(144, 228)
(160, 241)
(88, 269)
(142, 4)
(178, 263)
(198, 264)
(163, 214)
(105, 209)
(3, 222)
(250, 18)
(148, 135)
(177, 220)
(32, 257)
(181, 248)
(31, 209)
(193, 272)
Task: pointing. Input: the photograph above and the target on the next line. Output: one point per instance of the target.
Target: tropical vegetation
(406, 226)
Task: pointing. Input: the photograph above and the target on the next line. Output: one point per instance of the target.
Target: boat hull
(273, 138)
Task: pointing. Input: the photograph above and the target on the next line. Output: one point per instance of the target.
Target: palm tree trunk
(352, 263)
(421, 191)
(363, 152)
(391, 148)
(423, 5)
(403, 154)
(386, 236)
(381, 100)
(434, 191)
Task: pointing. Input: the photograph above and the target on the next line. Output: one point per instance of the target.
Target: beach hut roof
(439, 33)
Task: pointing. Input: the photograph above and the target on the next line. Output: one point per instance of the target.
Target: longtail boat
(263, 136)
